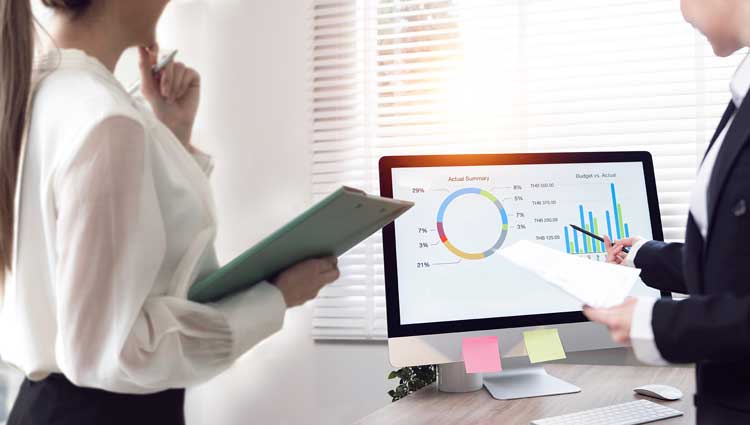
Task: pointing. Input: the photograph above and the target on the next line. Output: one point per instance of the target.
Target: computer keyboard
(631, 413)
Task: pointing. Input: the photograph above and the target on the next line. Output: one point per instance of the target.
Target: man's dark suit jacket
(712, 327)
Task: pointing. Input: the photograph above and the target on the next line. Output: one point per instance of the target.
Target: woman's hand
(302, 282)
(618, 319)
(174, 94)
(615, 253)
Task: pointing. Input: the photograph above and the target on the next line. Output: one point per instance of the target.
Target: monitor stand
(506, 385)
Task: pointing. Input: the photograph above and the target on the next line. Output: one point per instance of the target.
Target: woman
(113, 222)
(712, 327)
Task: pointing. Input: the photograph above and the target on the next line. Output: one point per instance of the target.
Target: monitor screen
(446, 247)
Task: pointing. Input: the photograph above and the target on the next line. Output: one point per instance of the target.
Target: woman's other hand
(302, 282)
(618, 319)
(615, 253)
(174, 93)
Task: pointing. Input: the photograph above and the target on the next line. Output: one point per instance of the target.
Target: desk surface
(600, 386)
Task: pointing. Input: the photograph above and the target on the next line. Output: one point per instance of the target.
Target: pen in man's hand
(594, 235)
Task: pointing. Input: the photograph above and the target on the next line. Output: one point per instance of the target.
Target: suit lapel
(728, 112)
(730, 148)
(693, 258)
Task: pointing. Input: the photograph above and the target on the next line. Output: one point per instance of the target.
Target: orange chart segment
(441, 229)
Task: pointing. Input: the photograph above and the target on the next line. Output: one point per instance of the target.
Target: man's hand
(618, 319)
(615, 253)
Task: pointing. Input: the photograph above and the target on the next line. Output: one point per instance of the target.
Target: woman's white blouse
(115, 221)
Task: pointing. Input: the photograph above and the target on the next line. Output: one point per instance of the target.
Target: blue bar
(627, 232)
(614, 209)
(575, 241)
(594, 244)
(567, 240)
(609, 227)
(583, 226)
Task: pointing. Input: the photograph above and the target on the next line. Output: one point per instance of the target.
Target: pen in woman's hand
(159, 67)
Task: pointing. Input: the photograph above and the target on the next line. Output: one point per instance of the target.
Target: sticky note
(543, 345)
(481, 354)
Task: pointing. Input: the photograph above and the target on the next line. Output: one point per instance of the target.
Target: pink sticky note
(481, 354)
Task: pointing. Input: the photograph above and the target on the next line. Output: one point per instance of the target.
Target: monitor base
(525, 382)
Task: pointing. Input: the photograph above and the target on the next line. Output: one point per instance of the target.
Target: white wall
(254, 118)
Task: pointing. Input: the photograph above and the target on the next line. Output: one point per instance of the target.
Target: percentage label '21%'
(423, 265)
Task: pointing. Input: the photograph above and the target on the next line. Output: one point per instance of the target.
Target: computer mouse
(662, 392)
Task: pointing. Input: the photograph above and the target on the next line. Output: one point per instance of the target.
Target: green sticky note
(543, 345)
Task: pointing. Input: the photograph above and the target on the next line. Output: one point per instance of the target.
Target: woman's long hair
(16, 61)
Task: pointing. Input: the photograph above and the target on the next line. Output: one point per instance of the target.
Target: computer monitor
(444, 278)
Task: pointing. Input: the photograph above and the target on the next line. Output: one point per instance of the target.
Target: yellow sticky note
(543, 345)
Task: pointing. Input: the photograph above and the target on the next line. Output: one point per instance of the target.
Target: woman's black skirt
(55, 400)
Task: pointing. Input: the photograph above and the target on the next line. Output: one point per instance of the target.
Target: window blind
(487, 76)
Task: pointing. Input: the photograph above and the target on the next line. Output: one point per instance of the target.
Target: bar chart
(617, 228)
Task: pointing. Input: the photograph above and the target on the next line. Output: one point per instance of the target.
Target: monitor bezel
(388, 163)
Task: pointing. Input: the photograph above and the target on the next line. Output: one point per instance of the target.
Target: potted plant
(411, 379)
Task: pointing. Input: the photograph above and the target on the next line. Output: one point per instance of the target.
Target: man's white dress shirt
(641, 331)
(115, 220)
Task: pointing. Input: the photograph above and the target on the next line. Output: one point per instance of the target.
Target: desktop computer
(445, 280)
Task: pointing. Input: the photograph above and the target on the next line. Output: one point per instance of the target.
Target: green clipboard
(329, 228)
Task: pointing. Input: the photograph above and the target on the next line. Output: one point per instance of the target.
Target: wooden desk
(600, 386)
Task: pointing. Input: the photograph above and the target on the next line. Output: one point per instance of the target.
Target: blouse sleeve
(115, 333)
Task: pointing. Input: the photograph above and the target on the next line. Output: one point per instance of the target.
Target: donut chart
(441, 229)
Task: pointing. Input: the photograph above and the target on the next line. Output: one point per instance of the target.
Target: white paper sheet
(594, 283)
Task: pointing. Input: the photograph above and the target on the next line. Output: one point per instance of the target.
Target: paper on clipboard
(594, 283)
